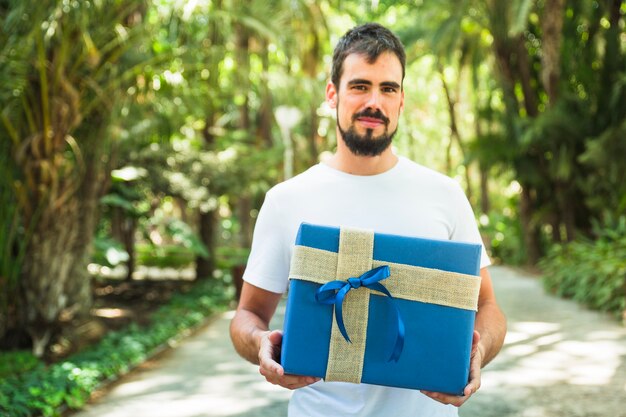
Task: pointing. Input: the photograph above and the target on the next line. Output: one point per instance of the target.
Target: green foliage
(184, 95)
(44, 391)
(65, 68)
(125, 193)
(592, 272)
(502, 234)
(182, 233)
(163, 256)
(16, 46)
(108, 251)
(606, 188)
(229, 257)
(15, 362)
(180, 248)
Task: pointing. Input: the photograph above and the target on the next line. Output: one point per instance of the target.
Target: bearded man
(363, 185)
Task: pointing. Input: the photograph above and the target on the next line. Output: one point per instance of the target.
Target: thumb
(275, 337)
(475, 339)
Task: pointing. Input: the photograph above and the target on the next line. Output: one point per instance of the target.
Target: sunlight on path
(203, 376)
(559, 360)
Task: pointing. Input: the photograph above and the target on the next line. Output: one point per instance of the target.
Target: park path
(559, 360)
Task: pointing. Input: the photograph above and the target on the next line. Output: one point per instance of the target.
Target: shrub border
(593, 273)
(49, 391)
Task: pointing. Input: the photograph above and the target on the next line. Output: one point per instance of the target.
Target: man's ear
(331, 95)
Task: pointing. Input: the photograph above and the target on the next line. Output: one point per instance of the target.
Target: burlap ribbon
(345, 360)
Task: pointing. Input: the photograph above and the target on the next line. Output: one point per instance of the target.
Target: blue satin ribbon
(334, 292)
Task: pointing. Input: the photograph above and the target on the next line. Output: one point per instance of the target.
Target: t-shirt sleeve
(466, 228)
(268, 263)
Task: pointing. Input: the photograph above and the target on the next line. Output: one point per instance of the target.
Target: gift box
(382, 309)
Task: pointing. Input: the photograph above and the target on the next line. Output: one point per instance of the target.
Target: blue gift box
(437, 339)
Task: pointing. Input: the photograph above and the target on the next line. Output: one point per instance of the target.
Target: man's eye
(359, 87)
(389, 90)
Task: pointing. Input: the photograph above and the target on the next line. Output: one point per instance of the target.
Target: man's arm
(490, 321)
(489, 332)
(249, 331)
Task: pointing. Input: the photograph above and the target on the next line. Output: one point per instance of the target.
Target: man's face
(368, 101)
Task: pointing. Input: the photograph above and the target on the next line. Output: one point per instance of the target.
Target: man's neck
(344, 160)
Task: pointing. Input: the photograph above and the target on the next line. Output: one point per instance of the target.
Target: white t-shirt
(408, 200)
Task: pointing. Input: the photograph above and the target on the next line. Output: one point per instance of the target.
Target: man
(363, 185)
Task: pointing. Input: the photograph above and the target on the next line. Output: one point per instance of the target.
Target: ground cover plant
(46, 390)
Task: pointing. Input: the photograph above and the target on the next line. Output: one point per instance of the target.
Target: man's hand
(472, 386)
(269, 354)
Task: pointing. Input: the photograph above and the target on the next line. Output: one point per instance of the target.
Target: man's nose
(374, 100)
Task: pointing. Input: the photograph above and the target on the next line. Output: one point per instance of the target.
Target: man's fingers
(269, 367)
(288, 381)
(269, 355)
(454, 400)
(472, 387)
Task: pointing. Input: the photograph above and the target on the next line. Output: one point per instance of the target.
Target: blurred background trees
(146, 132)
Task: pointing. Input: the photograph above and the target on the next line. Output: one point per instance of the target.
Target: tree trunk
(243, 75)
(244, 206)
(567, 210)
(49, 261)
(531, 103)
(452, 118)
(556, 228)
(454, 134)
(78, 288)
(208, 228)
(55, 277)
(485, 202)
(123, 230)
(237, 272)
(505, 50)
(551, 27)
(266, 116)
(611, 66)
(313, 149)
(12, 244)
(243, 61)
(55, 205)
(551, 39)
(129, 229)
(311, 64)
(529, 230)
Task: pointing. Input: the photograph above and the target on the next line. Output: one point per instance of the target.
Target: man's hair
(369, 40)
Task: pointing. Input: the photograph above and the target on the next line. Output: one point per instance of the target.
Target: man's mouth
(371, 122)
(371, 119)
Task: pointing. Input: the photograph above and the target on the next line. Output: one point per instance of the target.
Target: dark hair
(370, 40)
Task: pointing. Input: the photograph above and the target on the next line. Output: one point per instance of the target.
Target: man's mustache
(372, 114)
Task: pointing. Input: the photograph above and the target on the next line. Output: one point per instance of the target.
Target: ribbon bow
(334, 292)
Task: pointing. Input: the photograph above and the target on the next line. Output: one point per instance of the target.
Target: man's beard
(367, 144)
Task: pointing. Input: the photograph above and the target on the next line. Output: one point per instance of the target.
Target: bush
(17, 362)
(592, 272)
(164, 256)
(108, 251)
(44, 391)
(502, 235)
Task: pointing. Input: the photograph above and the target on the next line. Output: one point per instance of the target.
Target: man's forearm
(491, 324)
(246, 330)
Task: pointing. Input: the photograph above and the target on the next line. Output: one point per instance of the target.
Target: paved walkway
(559, 360)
